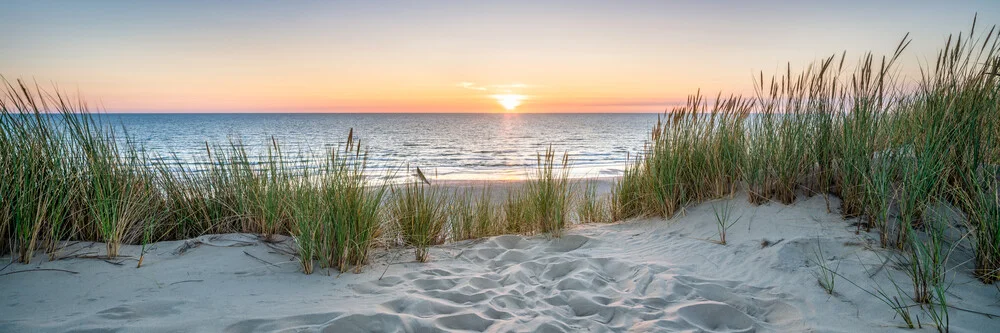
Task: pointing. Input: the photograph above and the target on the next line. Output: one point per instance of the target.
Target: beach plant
(473, 213)
(192, 204)
(488, 215)
(516, 213)
(541, 203)
(420, 212)
(896, 302)
(724, 219)
(859, 131)
(927, 259)
(547, 193)
(36, 177)
(271, 192)
(664, 162)
(147, 236)
(309, 214)
(356, 205)
(778, 159)
(593, 208)
(827, 276)
(919, 177)
(984, 224)
(253, 190)
(462, 215)
(228, 181)
(878, 193)
(695, 153)
(938, 309)
(119, 190)
(120, 196)
(629, 194)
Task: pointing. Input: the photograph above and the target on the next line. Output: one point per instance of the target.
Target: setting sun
(509, 101)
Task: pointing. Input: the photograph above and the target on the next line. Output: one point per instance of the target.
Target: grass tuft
(593, 208)
(420, 212)
(724, 219)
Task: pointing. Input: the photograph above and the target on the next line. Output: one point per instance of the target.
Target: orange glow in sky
(446, 56)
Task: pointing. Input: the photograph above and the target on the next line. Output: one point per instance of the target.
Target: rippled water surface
(454, 146)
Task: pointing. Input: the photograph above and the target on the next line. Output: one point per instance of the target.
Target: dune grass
(516, 213)
(827, 276)
(71, 175)
(855, 134)
(591, 207)
(36, 179)
(891, 150)
(68, 176)
(724, 219)
(473, 215)
(630, 195)
(420, 212)
(548, 193)
(310, 231)
(355, 220)
(542, 203)
(462, 217)
(985, 225)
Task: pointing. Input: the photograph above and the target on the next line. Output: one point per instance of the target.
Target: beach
(640, 275)
(500, 167)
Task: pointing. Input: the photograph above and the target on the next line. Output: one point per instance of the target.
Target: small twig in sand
(285, 251)
(179, 282)
(101, 257)
(765, 243)
(74, 251)
(259, 259)
(988, 315)
(116, 263)
(40, 270)
(389, 264)
(879, 269)
(8, 265)
(75, 256)
(188, 244)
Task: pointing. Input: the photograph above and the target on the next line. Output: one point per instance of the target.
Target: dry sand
(643, 276)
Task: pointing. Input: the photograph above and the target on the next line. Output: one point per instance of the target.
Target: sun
(509, 101)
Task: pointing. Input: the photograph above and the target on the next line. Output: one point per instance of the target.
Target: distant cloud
(471, 85)
(503, 88)
(614, 104)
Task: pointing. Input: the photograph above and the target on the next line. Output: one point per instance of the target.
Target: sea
(443, 146)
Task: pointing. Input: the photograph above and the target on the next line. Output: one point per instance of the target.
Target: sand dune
(640, 276)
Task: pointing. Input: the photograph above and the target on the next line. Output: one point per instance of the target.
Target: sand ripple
(546, 285)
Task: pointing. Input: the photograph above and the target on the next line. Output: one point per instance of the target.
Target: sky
(447, 56)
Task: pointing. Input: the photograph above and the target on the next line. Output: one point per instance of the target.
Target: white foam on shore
(642, 276)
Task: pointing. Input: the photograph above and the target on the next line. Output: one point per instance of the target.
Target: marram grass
(889, 149)
(591, 207)
(419, 211)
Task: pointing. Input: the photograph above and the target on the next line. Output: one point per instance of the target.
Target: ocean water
(445, 146)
